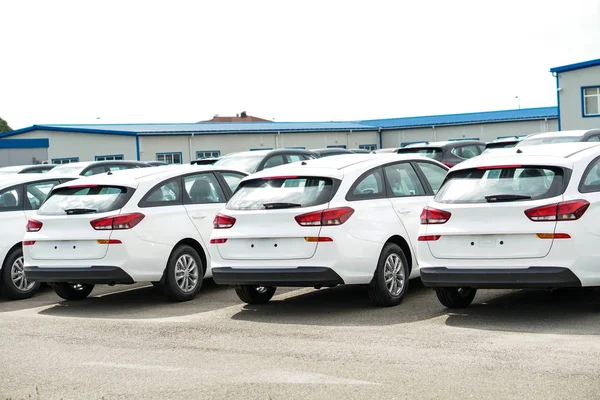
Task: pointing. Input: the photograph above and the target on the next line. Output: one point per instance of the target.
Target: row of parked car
(513, 217)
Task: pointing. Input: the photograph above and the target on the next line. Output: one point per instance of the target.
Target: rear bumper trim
(300, 276)
(91, 275)
(499, 278)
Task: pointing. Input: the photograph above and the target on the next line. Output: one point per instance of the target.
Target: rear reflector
(500, 167)
(272, 178)
(223, 221)
(565, 211)
(332, 216)
(312, 239)
(109, 241)
(33, 225)
(218, 241)
(429, 238)
(28, 242)
(553, 236)
(119, 222)
(430, 216)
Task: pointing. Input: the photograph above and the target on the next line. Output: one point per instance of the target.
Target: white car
(517, 218)
(349, 219)
(20, 196)
(146, 224)
(25, 169)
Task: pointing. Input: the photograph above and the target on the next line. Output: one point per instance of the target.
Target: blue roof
(43, 143)
(580, 65)
(469, 118)
(208, 128)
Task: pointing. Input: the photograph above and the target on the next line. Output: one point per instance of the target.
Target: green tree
(4, 126)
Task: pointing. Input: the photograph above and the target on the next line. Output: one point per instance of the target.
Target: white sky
(184, 61)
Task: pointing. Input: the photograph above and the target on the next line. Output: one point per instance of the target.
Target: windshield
(281, 192)
(67, 170)
(548, 140)
(85, 199)
(247, 163)
(431, 152)
(501, 184)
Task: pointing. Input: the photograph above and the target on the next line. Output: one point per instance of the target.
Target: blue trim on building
(297, 147)
(337, 146)
(580, 65)
(137, 147)
(558, 100)
(170, 153)
(465, 138)
(261, 148)
(75, 129)
(40, 143)
(380, 139)
(96, 158)
(583, 114)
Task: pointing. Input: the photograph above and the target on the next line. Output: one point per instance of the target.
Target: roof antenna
(303, 163)
(519, 151)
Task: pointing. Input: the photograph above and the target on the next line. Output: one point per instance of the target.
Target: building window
(337, 146)
(367, 147)
(169, 158)
(65, 160)
(591, 101)
(262, 148)
(110, 158)
(465, 138)
(207, 154)
(297, 147)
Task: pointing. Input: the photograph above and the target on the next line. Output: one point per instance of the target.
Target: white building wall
(571, 107)
(84, 145)
(486, 132)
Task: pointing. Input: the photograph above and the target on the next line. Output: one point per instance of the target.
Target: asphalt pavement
(128, 342)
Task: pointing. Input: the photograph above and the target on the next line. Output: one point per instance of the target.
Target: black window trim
(143, 201)
(588, 189)
(390, 194)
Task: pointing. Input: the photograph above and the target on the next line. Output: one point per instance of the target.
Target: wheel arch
(400, 241)
(193, 243)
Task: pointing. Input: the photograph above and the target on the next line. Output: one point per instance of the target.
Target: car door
(12, 218)
(203, 199)
(407, 195)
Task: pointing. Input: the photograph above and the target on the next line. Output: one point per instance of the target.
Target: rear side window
(591, 178)
(466, 152)
(502, 184)
(10, 199)
(282, 192)
(85, 200)
(165, 194)
(370, 186)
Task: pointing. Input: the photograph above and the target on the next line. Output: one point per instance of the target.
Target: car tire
(183, 275)
(454, 297)
(72, 291)
(390, 281)
(14, 283)
(253, 294)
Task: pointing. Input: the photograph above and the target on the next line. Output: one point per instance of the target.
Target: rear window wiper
(494, 198)
(80, 211)
(281, 205)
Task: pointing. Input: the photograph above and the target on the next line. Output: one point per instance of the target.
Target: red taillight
(431, 216)
(447, 164)
(223, 221)
(565, 211)
(218, 241)
(118, 222)
(428, 238)
(332, 216)
(500, 167)
(28, 242)
(33, 225)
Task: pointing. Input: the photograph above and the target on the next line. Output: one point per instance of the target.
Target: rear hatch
(437, 153)
(75, 222)
(274, 218)
(495, 213)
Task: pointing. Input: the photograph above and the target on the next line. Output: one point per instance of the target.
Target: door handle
(198, 216)
(402, 210)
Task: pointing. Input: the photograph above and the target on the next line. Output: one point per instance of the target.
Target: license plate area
(68, 250)
(267, 248)
(489, 246)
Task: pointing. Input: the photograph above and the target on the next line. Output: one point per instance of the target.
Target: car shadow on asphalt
(344, 306)
(562, 311)
(144, 303)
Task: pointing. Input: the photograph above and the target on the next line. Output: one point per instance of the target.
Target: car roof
(336, 167)
(579, 132)
(17, 179)
(133, 177)
(561, 154)
(266, 152)
(515, 138)
(18, 168)
(444, 143)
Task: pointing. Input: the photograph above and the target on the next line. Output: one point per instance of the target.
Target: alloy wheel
(17, 274)
(186, 273)
(394, 274)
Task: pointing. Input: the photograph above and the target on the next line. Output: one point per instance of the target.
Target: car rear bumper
(498, 278)
(300, 276)
(90, 275)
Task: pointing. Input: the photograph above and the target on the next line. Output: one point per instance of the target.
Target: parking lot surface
(129, 342)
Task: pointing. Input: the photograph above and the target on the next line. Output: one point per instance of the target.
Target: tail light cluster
(430, 216)
(223, 221)
(565, 211)
(329, 217)
(33, 225)
(119, 222)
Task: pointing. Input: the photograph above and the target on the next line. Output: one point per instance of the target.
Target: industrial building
(181, 143)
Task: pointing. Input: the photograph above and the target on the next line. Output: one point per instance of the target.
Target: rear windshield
(501, 184)
(549, 140)
(282, 192)
(85, 200)
(501, 145)
(245, 163)
(431, 152)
